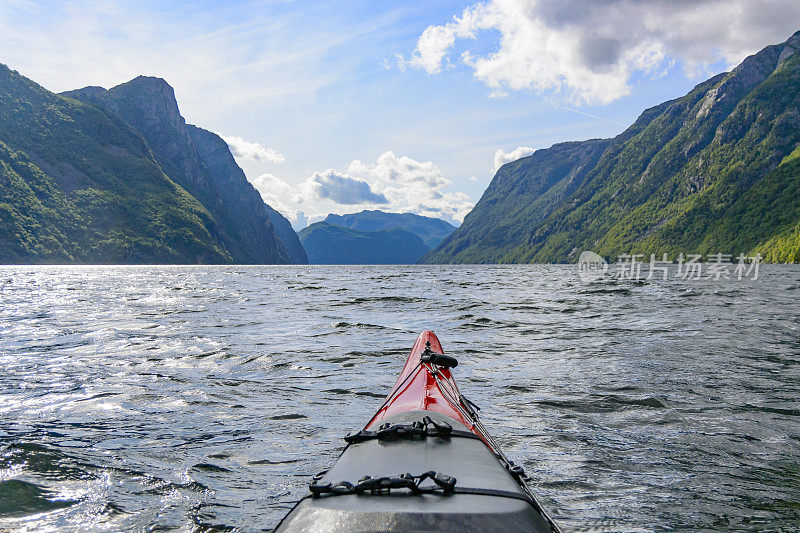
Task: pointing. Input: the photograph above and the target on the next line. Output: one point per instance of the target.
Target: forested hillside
(197, 160)
(715, 171)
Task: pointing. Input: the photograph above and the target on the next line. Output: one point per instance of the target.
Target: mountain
(430, 230)
(197, 160)
(79, 184)
(521, 196)
(284, 230)
(329, 244)
(715, 171)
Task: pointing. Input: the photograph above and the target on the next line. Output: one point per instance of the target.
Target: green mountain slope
(78, 184)
(431, 230)
(709, 172)
(197, 160)
(329, 244)
(520, 196)
(767, 214)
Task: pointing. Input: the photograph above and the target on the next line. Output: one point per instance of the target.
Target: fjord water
(195, 398)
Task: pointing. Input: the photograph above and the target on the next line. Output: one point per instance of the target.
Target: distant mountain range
(117, 176)
(431, 230)
(372, 237)
(715, 171)
(328, 244)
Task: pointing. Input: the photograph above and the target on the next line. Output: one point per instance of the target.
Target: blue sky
(341, 106)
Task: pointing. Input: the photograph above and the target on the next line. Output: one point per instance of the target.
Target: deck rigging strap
(427, 427)
(443, 485)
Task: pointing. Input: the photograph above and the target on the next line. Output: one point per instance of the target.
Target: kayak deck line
(420, 429)
(424, 425)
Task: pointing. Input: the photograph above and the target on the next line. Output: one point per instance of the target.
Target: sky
(335, 107)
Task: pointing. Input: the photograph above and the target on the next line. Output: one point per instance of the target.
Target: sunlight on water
(192, 397)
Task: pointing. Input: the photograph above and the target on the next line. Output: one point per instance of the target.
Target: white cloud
(343, 189)
(280, 196)
(392, 183)
(433, 45)
(501, 157)
(242, 149)
(588, 51)
(413, 186)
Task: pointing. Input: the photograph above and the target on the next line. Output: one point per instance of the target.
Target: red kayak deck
(418, 388)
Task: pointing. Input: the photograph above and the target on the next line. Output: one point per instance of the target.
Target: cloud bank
(501, 157)
(393, 183)
(588, 51)
(242, 149)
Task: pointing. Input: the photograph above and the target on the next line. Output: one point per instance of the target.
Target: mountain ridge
(669, 183)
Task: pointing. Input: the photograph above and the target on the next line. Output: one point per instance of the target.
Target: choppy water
(144, 398)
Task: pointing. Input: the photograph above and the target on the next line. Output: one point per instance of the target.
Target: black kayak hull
(469, 460)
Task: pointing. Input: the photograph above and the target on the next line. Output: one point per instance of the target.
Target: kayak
(423, 462)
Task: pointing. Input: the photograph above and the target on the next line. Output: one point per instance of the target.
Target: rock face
(715, 171)
(297, 254)
(78, 184)
(431, 230)
(328, 244)
(197, 160)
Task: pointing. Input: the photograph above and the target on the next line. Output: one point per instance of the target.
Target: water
(202, 398)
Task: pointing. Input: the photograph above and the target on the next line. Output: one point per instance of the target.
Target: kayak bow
(424, 462)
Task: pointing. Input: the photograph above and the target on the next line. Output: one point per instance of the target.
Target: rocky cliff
(197, 160)
(80, 185)
(297, 254)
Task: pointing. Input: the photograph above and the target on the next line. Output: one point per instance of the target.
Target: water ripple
(201, 398)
